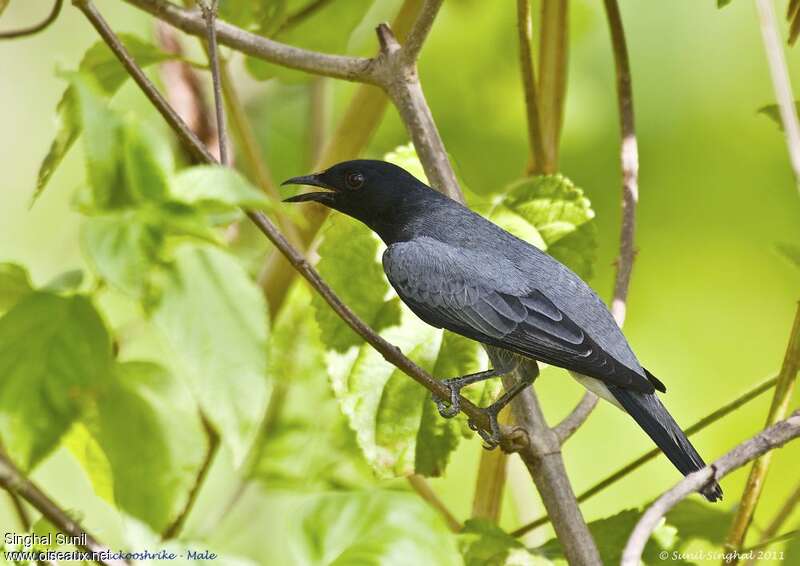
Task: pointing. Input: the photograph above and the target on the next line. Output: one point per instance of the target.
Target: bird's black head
(379, 194)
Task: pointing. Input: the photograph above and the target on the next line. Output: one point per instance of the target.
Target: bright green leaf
(349, 264)
(551, 213)
(54, 354)
(92, 459)
(370, 528)
(14, 284)
(121, 248)
(405, 156)
(148, 428)
(216, 188)
(66, 282)
(147, 160)
(100, 63)
(215, 319)
(483, 543)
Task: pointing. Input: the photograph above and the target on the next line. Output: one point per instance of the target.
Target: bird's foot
(451, 407)
(492, 437)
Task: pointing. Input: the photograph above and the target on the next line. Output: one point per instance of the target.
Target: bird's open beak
(314, 181)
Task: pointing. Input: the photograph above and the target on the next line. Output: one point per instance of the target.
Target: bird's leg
(492, 439)
(455, 384)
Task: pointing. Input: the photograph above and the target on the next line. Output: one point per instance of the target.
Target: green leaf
(694, 519)
(612, 533)
(217, 189)
(405, 156)
(100, 63)
(349, 264)
(483, 543)
(147, 162)
(122, 247)
(148, 427)
(772, 112)
(790, 252)
(54, 354)
(722, 3)
(66, 282)
(15, 283)
(215, 319)
(370, 528)
(552, 214)
(80, 442)
(309, 30)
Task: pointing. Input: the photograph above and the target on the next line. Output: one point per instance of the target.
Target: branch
(424, 490)
(357, 69)
(210, 16)
(647, 456)
(392, 354)
(773, 437)
(780, 83)
(34, 29)
(525, 37)
(777, 411)
(543, 459)
(420, 30)
(13, 481)
(213, 440)
(629, 158)
(769, 535)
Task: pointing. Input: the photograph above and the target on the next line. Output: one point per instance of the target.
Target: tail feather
(647, 410)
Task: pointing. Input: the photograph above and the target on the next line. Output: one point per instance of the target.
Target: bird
(459, 271)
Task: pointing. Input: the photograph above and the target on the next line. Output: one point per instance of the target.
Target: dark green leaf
(148, 427)
(612, 533)
(791, 252)
(54, 354)
(65, 282)
(310, 30)
(349, 264)
(14, 284)
(483, 543)
(371, 528)
(694, 519)
(216, 188)
(215, 320)
(722, 3)
(773, 112)
(101, 63)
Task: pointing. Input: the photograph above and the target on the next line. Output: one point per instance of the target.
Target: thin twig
(768, 535)
(779, 538)
(424, 490)
(629, 159)
(13, 481)
(210, 16)
(758, 473)
(647, 456)
(34, 29)
(771, 438)
(420, 30)
(525, 37)
(357, 69)
(212, 441)
(780, 83)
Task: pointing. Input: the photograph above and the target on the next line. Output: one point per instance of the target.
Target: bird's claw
(491, 439)
(451, 409)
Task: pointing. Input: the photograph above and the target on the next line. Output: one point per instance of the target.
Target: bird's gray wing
(477, 296)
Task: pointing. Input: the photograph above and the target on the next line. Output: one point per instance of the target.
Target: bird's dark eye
(354, 180)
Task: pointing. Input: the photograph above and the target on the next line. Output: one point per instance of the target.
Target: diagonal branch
(420, 30)
(13, 481)
(525, 36)
(34, 29)
(357, 69)
(773, 437)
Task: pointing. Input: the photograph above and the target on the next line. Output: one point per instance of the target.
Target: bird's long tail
(647, 410)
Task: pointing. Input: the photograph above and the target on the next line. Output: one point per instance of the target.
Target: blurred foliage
(105, 369)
